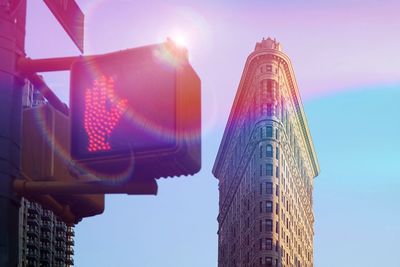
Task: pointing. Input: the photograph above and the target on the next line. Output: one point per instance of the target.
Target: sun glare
(180, 40)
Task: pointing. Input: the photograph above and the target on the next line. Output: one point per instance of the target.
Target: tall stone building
(266, 164)
(44, 240)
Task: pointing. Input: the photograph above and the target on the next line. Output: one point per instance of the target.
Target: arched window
(270, 151)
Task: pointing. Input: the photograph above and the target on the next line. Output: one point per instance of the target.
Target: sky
(347, 65)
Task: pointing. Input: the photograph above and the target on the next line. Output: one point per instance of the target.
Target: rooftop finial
(268, 44)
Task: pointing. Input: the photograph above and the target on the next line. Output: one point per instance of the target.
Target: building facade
(44, 240)
(265, 165)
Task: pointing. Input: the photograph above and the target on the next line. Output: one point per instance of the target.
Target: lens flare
(180, 40)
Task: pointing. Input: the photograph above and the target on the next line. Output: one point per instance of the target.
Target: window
(269, 188)
(261, 151)
(276, 153)
(277, 190)
(269, 110)
(269, 169)
(269, 244)
(260, 206)
(269, 88)
(277, 208)
(268, 261)
(277, 228)
(268, 225)
(269, 151)
(269, 131)
(277, 172)
(277, 133)
(268, 206)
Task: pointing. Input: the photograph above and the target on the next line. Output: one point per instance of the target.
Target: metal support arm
(136, 187)
(27, 65)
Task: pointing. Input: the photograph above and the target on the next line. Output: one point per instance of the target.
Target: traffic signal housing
(46, 157)
(136, 113)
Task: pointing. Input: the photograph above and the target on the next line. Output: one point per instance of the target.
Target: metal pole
(12, 35)
(27, 65)
(136, 187)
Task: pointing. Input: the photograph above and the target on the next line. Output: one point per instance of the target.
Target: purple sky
(334, 46)
(337, 48)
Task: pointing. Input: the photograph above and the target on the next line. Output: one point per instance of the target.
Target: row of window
(269, 207)
(266, 225)
(269, 151)
(268, 132)
(268, 68)
(265, 244)
(269, 170)
(269, 188)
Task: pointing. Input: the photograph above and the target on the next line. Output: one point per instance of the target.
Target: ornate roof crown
(268, 44)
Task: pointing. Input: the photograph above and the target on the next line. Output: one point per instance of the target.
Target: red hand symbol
(102, 112)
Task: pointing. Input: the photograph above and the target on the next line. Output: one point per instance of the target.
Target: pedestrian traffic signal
(136, 113)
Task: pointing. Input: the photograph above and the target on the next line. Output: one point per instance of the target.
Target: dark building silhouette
(44, 239)
(266, 164)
